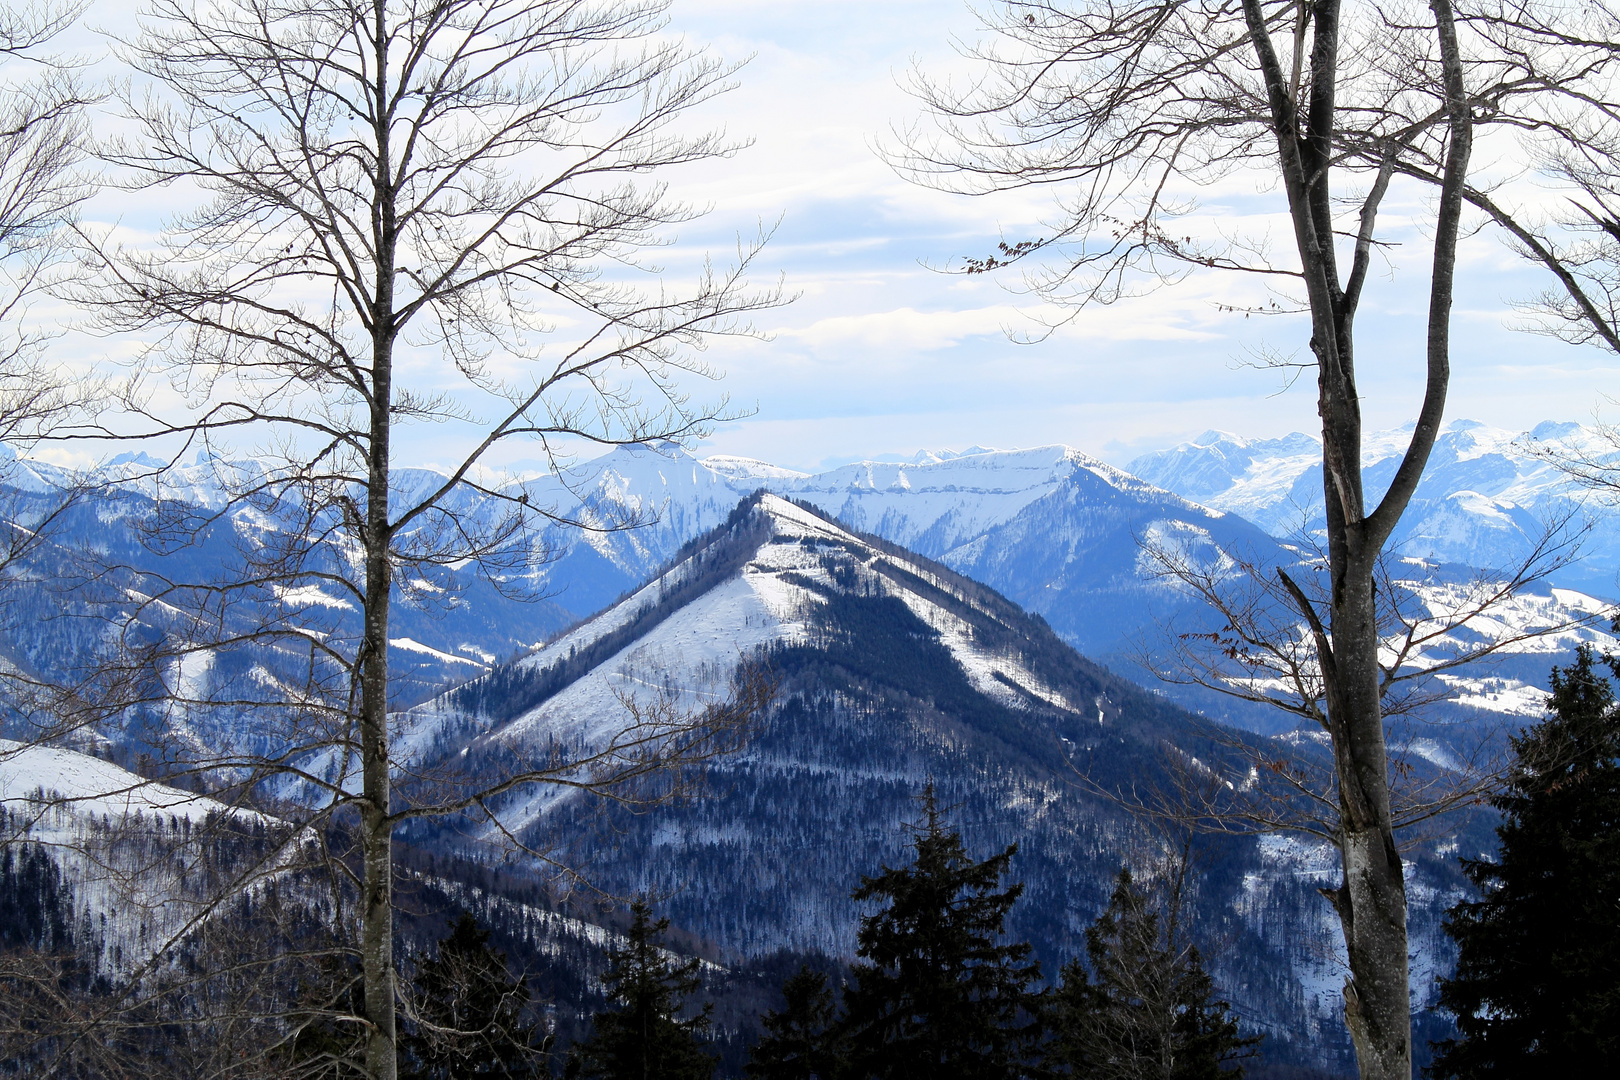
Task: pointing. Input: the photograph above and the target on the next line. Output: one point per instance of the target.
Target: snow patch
(412, 645)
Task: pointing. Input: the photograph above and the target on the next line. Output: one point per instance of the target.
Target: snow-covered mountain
(1061, 534)
(1053, 529)
(1487, 496)
(99, 560)
(1050, 527)
(895, 672)
(128, 886)
(126, 854)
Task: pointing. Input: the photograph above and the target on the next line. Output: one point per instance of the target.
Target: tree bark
(377, 824)
(1371, 901)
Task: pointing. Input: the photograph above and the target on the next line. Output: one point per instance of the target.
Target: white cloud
(883, 354)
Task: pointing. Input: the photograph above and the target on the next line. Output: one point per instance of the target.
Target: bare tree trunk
(377, 824)
(1371, 901)
(376, 819)
(336, 139)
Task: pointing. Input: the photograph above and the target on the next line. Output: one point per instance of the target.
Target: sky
(883, 354)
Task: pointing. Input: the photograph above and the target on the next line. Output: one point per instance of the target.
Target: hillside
(895, 671)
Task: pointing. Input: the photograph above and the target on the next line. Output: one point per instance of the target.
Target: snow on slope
(31, 776)
(1486, 495)
(1541, 628)
(122, 843)
(688, 657)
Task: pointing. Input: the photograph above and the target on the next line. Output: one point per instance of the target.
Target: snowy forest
(403, 679)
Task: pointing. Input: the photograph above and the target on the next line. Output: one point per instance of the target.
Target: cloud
(903, 329)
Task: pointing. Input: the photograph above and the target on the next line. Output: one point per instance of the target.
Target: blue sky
(883, 355)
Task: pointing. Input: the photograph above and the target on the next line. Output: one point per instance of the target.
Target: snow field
(89, 786)
(121, 842)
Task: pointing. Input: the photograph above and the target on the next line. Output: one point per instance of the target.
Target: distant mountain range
(1486, 497)
(1056, 531)
(1053, 529)
(1061, 533)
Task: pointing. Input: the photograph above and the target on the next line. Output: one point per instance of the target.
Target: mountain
(124, 882)
(112, 550)
(1056, 531)
(895, 671)
(112, 884)
(1486, 498)
(1061, 534)
(1051, 528)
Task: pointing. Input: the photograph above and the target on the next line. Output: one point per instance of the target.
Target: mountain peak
(1554, 429)
(1215, 436)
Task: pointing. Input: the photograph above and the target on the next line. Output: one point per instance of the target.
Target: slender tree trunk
(377, 827)
(1371, 901)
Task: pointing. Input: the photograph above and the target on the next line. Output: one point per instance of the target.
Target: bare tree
(417, 213)
(1126, 109)
(42, 142)
(1251, 642)
(1573, 140)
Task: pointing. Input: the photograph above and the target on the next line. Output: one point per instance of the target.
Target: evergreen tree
(1537, 986)
(644, 1037)
(1147, 1008)
(469, 1020)
(939, 994)
(802, 1040)
(36, 905)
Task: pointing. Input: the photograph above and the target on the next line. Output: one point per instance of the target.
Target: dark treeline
(36, 905)
(513, 689)
(939, 989)
(520, 986)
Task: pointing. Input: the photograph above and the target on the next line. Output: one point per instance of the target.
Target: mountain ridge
(898, 672)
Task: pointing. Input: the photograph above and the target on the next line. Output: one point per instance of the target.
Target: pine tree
(644, 1037)
(1537, 986)
(802, 1040)
(469, 1019)
(939, 994)
(1146, 1009)
(36, 905)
